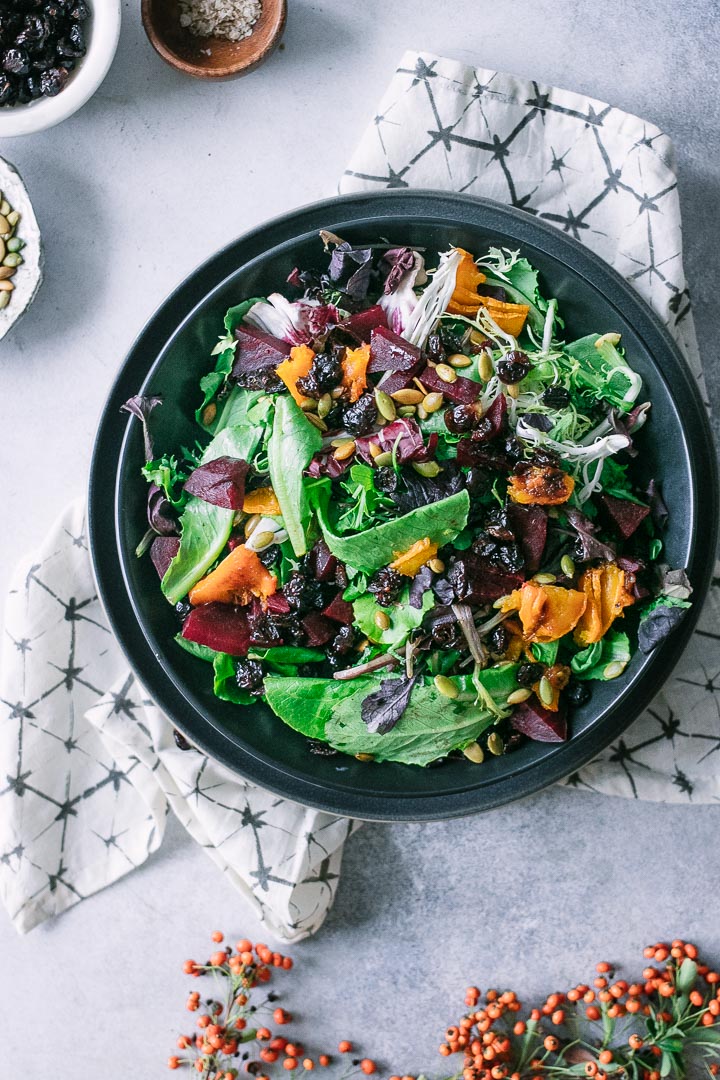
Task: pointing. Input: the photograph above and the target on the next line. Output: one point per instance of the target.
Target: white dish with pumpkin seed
(21, 255)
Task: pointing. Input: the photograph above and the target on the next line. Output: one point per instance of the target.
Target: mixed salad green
(410, 523)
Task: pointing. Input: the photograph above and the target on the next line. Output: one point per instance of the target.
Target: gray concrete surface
(149, 179)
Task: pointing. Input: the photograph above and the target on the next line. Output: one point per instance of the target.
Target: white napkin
(89, 765)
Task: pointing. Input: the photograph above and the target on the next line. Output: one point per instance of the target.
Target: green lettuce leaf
(225, 351)
(202, 652)
(545, 652)
(225, 684)
(286, 654)
(403, 618)
(603, 372)
(205, 528)
(377, 547)
(431, 726)
(590, 663)
(292, 444)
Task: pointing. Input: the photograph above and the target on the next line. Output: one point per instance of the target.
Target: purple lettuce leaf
(141, 406)
(350, 268)
(382, 709)
(591, 547)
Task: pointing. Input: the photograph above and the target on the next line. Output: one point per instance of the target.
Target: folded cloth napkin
(90, 767)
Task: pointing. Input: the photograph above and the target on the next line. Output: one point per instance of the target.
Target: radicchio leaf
(627, 423)
(399, 299)
(296, 323)
(419, 586)
(350, 269)
(382, 709)
(591, 547)
(657, 624)
(141, 407)
(220, 482)
(404, 438)
(658, 509)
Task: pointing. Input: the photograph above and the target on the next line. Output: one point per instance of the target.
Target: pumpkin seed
(613, 670)
(446, 373)
(209, 413)
(407, 410)
(426, 468)
(611, 339)
(407, 397)
(308, 404)
(432, 402)
(518, 696)
(262, 540)
(475, 753)
(567, 566)
(385, 404)
(381, 620)
(422, 414)
(324, 406)
(375, 451)
(544, 579)
(6, 272)
(13, 259)
(316, 421)
(486, 367)
(364, 757)
(420, 387)
(13, 218)
(5, 207)
(337, 393)
(344, 450)
(477, 337)
(3, 250)
(459, 360)
(446, 686)
(4, 225)
(6, 286)
(15, 244)
(251, 524)
(546, 692)
(513, 390)
(4, 299)
(384, 458)
(495, 744)
(436, 565)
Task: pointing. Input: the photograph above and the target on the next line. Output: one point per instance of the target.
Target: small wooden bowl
(212, 58)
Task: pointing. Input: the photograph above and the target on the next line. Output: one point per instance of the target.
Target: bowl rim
(106, 20)
(203, 71)
(112, 432)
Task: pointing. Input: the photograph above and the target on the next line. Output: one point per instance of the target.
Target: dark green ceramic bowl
(170, 356)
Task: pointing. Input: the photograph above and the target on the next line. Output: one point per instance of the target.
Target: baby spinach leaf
(201, 651)
(292, 444)
(545, 652)
(206, 528)
(590, 663)
(377, 547)
(287, 654)
(306, 705)
(403, 617)
(382, 709)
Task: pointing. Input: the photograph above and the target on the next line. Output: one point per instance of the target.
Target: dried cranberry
(16, 61)
(385, 479)
(510, 557)
(343, 641)
(269, 555)
(183, 609)
(577, 693)
(462, 418)
(261, 379)
(527, 674)
(249, 676)
(499, 640)
(180, 740)
(450, 341)
(478, 481)
(324, 375)
(53, 81)
(556, 396)
(385, 585)
(303, 593)
(359, 418)
(435, 348)
(513, 367)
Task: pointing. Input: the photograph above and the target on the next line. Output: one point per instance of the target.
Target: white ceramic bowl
(103, 31)
(28, 276)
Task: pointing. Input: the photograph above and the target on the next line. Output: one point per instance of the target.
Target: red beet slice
(496, 413)
(220, 627)
(390, 352)
(339, 610)
(462, 391)
(529, 524)
(220, 482)
(625, 515)
(538, 723)
(322, 564)
(162, 552)
(492, 458)
(257, 350)
(319, 630)
(277, 604)
(362, 323)
(392, 381)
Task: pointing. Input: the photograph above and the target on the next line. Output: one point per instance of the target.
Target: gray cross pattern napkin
(88, 765)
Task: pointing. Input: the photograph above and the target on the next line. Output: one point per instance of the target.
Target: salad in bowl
(411, 522)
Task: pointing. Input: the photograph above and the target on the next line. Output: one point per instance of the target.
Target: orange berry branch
(649, 1029)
